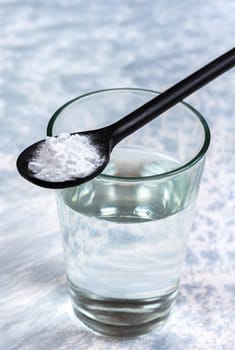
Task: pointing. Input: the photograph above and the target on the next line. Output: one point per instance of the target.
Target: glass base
(122, 318)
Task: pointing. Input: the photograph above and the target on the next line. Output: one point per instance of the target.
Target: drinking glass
(125, 232)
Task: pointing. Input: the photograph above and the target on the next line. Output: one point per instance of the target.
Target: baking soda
(65, 157)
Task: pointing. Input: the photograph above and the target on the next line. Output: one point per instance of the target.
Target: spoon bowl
(98, 138)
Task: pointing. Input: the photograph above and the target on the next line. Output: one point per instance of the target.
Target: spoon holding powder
(71, 159)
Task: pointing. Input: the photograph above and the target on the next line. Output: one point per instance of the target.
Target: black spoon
(106, 138)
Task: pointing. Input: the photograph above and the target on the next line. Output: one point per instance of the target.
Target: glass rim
(189, 164)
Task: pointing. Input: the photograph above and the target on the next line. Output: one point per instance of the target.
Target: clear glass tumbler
(125, 232)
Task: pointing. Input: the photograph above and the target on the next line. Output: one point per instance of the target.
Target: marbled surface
(52, 51)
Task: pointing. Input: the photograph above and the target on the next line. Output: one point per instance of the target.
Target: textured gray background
(52, 51)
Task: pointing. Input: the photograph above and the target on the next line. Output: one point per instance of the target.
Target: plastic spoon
(106, 138)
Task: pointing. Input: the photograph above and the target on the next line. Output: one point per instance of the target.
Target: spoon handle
(170, 97)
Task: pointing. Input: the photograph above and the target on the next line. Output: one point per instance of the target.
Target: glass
(125, 232)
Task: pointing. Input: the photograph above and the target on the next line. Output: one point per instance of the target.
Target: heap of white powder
(65, 157)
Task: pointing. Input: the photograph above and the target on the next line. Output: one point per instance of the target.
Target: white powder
(65, 157)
